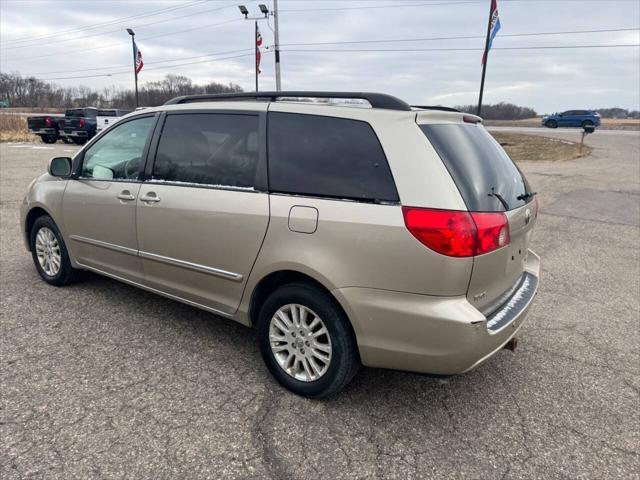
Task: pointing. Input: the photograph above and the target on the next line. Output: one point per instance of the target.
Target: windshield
(486, 177)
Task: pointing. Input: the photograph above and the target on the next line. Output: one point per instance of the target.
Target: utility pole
(276, 38)
(135, 66)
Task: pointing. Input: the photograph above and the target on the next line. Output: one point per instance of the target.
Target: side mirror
(59, 167)
(589, 128)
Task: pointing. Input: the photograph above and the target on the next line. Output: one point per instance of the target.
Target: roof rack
(436, 107)
(377, 100)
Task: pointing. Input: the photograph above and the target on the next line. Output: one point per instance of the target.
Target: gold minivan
(347, 228)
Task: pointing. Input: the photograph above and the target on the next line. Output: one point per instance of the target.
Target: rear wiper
(526, 196)
(500, 198)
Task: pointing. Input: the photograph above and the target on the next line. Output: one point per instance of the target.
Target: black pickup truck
(46, 127)
(79, 124)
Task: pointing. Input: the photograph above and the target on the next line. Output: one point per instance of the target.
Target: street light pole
(265, 12)
(276, 38)
(135, 68)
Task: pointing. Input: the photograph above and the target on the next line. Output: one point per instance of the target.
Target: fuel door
(303, 219)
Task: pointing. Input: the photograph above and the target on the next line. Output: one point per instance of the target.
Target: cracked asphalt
(102, 380)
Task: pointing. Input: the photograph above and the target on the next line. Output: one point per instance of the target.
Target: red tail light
(47, 121)
(457, 233)
(82, 122)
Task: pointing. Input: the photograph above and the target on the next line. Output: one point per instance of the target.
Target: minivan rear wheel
(306, 341)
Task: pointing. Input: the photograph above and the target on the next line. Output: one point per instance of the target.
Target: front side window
(212, 149)
(327, 157)
(118, 155)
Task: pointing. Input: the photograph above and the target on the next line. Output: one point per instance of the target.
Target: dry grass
(523, 148)
(13, 128)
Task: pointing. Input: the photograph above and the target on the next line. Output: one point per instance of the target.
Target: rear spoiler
(435, 107)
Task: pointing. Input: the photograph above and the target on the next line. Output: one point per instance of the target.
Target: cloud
(547, 80)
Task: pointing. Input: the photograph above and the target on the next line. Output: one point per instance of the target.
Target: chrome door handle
(150, 197)
(125, 195)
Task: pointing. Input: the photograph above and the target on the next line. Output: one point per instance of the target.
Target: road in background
(101, 379)
(568, 133)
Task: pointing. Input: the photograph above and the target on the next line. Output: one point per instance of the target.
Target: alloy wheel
(300, 342)
(48, 251)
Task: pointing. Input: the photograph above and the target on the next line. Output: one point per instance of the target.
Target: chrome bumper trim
(518, 301)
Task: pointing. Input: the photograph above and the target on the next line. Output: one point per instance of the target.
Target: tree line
(31, 92)
(500, 111)
(509, 111)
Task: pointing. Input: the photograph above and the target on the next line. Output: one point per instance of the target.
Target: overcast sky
(37, 40)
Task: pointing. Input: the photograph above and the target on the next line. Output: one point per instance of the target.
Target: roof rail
(377, 100)
(436, 107)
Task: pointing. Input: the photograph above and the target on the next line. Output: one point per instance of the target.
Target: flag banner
(493, 29)
(258, 45)
(137, 54)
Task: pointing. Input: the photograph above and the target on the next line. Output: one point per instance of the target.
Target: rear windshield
(487, 178)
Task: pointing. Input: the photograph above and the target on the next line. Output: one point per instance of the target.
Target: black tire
(48, 138)
(551, 124)
(66, 273)
(79, 141)
(587, 123)
(345, 360)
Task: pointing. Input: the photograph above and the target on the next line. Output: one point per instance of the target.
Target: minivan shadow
(176, 326)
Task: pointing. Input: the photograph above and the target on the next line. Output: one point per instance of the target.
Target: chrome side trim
(107, 245)
(159, 292)
(236, 277)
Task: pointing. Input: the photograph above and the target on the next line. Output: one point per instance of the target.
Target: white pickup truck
(108, 116)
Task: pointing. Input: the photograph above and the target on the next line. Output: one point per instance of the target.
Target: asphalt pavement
(102, 380)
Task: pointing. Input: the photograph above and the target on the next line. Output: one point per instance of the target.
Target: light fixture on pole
(265, 11)
(135, 66)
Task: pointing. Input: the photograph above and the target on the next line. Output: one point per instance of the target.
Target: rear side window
(327, 157)
(208, 149)
(486, 177)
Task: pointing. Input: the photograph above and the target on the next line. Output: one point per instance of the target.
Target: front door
(201, 216)
(99, 207)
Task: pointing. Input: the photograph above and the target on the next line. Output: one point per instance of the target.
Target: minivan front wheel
(50, 254)
(306, 342)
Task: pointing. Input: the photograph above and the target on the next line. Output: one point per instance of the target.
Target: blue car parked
(572, 118)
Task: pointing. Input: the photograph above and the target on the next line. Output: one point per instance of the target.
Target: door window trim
(260, 181)
(78, 161)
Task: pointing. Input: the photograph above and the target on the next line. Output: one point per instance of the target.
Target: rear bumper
(43, 131)
(438, 335)
(74, 134)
